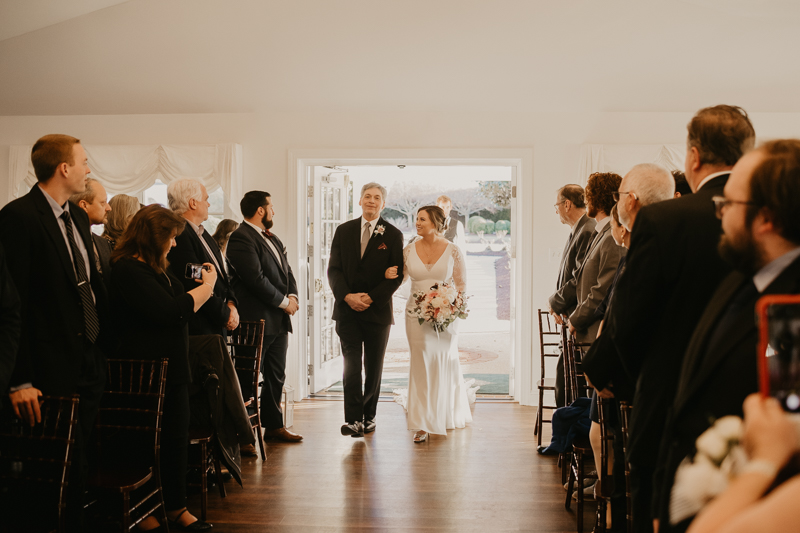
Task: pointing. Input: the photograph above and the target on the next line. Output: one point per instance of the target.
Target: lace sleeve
(459, 269)
(406, 252)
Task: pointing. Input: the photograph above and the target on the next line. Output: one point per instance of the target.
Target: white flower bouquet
(440, 306)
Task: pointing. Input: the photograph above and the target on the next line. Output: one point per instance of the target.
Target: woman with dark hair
(223, 233)
(152, 312)
(438, 397)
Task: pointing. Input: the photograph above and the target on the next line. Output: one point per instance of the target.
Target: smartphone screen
(780, 366)
(194, 271)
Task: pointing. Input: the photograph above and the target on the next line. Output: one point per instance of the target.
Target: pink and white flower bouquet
(440, 306)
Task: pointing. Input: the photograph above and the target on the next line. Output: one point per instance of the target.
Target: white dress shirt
(771, 271)
(711, 177)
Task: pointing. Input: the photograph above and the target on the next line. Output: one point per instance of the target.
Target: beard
(267, 223)
(742, 253)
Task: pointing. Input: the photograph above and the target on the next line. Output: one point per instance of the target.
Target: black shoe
(543, 450)
(356, 429)
(197, 525)
(369, 426)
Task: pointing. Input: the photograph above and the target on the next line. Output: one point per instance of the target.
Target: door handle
(318, 286)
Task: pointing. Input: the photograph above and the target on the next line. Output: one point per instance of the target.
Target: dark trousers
(367, 341)
(90, 389)
(175, 446)
(641, 498)
(273, 369)
(559, 385)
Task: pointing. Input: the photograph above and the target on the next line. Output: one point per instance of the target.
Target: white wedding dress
(438, 397)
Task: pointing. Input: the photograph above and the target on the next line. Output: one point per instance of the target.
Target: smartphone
(195, 270)
(779, 349)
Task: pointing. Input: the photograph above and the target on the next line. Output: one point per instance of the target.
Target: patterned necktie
(90, 320)
(365, 238)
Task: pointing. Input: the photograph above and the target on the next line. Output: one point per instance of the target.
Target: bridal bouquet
(440, 306)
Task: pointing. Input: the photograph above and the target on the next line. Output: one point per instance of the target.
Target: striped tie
(90, 319)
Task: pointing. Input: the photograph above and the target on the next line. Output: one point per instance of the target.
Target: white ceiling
(206, 56)
(22, 16)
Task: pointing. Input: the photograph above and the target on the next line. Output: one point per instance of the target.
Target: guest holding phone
(152, 312)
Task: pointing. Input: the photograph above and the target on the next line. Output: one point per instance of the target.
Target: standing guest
(123, 207)
(223, 233)
(672, 270)
(266, 288)
(361, 252)
(761, 241)
(152, 311)
(681, 185)
(594, 275)
(94, 201)
(188, 199)
(571, 210)
(63, 300)
(453, 228)
(9, 326)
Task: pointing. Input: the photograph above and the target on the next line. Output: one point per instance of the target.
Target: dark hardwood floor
(487, 477)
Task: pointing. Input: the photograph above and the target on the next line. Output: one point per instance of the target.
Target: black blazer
(716, 379)
(671, 272)
(260, 280)
(348, 272)
(211, 318)
(9, 325)
(104, 255)
(52, 343)
(571, 259)
(151, 315)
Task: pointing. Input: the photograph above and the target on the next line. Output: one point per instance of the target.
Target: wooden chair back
(625, 410)
(549, 339)
(34, 466)
(575, 382)
(247, 343)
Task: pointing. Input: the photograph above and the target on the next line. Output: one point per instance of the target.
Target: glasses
(720, 202)
(558, 204)
(617, 194)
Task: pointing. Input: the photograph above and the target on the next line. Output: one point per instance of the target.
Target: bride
(437, 394)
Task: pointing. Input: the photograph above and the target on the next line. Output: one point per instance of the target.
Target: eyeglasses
(558, 204)
(721, 202)
(617, 194)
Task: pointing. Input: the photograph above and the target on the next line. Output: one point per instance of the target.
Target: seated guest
(223, 233)
(770, 438)
(593, 277)
(761, 241)
(123, 207)
(152, 311)
(94, 201)
(681, 185)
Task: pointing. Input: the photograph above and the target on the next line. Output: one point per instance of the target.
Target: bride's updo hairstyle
(436, 215)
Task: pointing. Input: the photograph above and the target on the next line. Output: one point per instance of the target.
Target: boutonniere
(383, 246)
(379, 230)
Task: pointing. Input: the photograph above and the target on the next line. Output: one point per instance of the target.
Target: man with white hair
(645, 184)
(188, 198)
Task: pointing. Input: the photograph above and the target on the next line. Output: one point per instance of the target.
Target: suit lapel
(374, 239)
(592, 246)
(53, 231)
(212, 245)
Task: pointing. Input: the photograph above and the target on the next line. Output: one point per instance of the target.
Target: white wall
(267, 138)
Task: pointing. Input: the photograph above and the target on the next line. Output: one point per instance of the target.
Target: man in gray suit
(571, 209)
(94, 201)
(594, 275)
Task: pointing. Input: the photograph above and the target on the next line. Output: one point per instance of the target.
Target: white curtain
(620, 158)
(130, 169)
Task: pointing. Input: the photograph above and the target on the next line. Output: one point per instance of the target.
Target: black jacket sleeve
(9, 324)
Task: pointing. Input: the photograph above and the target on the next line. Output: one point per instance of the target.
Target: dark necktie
(90, 320)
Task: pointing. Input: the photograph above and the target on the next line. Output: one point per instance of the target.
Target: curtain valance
(130, 169)
(620, 158)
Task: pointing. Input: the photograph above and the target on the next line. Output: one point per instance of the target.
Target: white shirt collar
(57, 209)
(372, 224)
(259, 230)
(711, 177)
(771, 271)
(602, 224)
(197, 229)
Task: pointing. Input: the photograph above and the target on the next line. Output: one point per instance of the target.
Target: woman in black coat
(152, 312)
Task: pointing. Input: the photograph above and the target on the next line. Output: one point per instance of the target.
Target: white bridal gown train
(438, 397)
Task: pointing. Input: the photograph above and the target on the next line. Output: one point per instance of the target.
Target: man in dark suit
(48, 243)
(762, 241)
(672, 270)
(9, 326)
(361, 251)
(265, 288)
(188, 198)
(94, 201)
(571, 210)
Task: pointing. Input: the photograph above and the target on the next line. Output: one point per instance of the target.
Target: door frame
(521, 159)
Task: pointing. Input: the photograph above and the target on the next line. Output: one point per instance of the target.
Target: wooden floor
(487, 477)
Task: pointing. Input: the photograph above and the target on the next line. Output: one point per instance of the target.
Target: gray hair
(373, 185)
(180, 191)
(651, 182)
